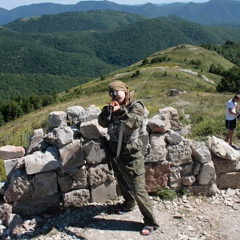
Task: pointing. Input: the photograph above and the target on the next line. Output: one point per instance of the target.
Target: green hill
(184, 67)
(47, 63)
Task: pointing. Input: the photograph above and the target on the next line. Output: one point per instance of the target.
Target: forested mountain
(212, 12)
(100, 20)
(208, 13)
(51, 61)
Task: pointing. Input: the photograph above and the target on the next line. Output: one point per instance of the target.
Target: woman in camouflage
(128, 114)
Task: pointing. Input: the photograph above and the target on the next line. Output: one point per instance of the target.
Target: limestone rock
(57, 119)
(11, 152)
(42, 161)
(222, 149)
(179, 154)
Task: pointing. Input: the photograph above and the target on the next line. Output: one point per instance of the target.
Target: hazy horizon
(13, 4)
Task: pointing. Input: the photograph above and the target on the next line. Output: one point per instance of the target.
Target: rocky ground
(186, 218)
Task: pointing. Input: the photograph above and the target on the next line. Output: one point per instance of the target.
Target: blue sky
(10, 4)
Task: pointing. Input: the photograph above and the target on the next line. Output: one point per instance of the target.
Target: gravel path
(187, 218)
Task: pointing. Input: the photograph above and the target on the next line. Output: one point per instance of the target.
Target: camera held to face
(114, 95)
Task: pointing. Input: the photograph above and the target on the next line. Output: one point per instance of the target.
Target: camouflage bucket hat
(118, 86)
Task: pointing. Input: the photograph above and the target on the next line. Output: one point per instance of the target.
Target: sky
(10, 4)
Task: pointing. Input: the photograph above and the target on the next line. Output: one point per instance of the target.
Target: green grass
(2, 171)
(166, 194)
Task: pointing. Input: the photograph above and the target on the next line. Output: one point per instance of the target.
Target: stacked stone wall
(66, 167)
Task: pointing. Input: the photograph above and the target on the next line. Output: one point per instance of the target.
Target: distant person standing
(231, 115)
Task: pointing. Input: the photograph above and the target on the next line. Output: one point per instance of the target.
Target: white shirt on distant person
(231, 104)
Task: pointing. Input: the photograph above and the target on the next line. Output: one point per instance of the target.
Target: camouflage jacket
(132, 118)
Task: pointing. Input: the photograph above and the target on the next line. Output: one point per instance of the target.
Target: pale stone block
(67, 151)
(228, 180)
(11, 152)
(99, 174)
(44, 184)
(200, 152)
(77, 160)
(92, 130)
(172, 137)
(19, 187)
(222, 149)
(93, 153)
(188, 180)
(91, 113)
(78, 114)
(57, 118)
(159, 123)
(42, 161)
(34, 139)
(202, 190)
(76, 198)
(9, 166)
(64, 135)
(74, 113)
(179, 154)
(74, 180)
(176, 125)
(207, 175)
(224, 165)
(103, 192)
(175, 178)
(158, 150)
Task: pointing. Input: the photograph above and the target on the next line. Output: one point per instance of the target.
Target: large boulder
(222, 149)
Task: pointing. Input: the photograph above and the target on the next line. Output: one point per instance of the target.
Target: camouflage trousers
(132, 167)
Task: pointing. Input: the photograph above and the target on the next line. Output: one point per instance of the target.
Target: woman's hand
(115, 105)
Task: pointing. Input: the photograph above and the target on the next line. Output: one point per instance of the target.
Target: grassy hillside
(151, 79)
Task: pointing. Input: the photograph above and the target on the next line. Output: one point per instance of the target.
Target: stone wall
(66, 167)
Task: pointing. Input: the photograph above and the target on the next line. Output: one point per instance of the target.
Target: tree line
(231, 77)
(17, 107)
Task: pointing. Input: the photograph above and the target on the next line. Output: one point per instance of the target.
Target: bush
(166, 194)
(136, 74)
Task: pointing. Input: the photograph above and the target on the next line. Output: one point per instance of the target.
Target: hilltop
(185, 67)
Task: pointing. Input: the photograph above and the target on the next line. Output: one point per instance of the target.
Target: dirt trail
(187, 218)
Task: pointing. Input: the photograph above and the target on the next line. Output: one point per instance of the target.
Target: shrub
(136, 74)
(166, 194)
